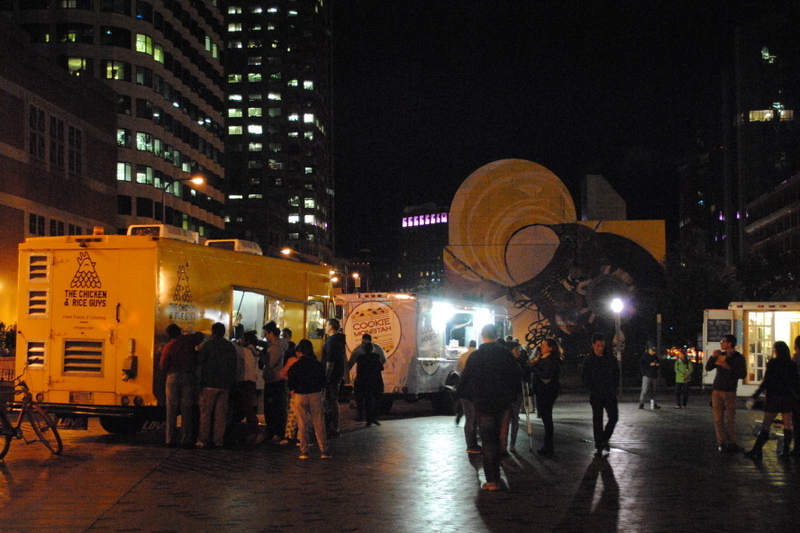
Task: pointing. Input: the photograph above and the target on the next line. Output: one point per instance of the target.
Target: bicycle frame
(30, 414)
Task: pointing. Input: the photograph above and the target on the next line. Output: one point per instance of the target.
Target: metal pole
(618, 348)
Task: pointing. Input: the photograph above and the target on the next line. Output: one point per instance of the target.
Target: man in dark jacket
(731, 367)
(179, 361)
(217, 362)
(307, 381)
(649, 365)
(601, 376)
(334, 358)
(491, 381)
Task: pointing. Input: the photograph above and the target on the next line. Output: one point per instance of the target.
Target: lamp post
(616, 307)
(197, 180)
(357, 279)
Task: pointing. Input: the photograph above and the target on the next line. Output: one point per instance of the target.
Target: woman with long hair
(782, 385)
(545, 373)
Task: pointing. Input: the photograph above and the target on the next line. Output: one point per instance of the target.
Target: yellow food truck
(93, 310)
(423, 338)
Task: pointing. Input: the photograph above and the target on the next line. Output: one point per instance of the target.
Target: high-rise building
(162, 59)
(278, 105)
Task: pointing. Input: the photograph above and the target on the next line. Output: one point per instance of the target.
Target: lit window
(309, 135)
(309, 203)
(235, 26)
(292, 134)
(308, 118)
(272, 10)
(256, 27)
(235, 197)
(276, 112)
(256, 9)
(253, 111)
(254, 77)
(144, 43)
(294, 236)
(255, 147)
(309, 219)
(294, 117)
(255, 196)
(308, 170)
(292, 13)
(275, 147)
(235, 97)
(234, 78)
(254, 96)
(234, 113)
(234, 130)
(274, 96)
(158, 53)
(294, 219)
(234, 10)
(294, 201)
(254, 43)
(144, 141)
(124, 172)
(254, 60)
(235, 44)
(308, 85)
(256, 129)
(292, 83)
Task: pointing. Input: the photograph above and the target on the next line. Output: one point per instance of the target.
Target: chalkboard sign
(716, 328)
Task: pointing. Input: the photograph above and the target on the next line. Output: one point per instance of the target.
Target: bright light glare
(286, 251)
(198, 180)
(440, 314)
(617, 305)
(481, 318)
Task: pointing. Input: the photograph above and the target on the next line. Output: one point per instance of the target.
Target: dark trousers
(370, 401)
(603, 434)
(470, 425)
(544, 402)
(681, 394)
(275, 408)
(489, 425)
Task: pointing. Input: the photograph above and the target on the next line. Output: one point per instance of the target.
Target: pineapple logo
(182, 291)
(86, 277)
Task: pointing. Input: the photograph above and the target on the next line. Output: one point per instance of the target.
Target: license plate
(81, 397)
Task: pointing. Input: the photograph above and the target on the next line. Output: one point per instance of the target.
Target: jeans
(544, 403)
(489, 429)
(213, 415)
(310, 410)
(724, 406)
(681, 394)
(275, 408)
(181, 391)
(603, 435)
(648, 389)
(332, 397)
(470, 424)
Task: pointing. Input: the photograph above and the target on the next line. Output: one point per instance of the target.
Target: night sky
(428, 91)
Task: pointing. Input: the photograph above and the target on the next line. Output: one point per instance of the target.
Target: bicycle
(32, 423)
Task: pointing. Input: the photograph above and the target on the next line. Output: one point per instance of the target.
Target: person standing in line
(600, 375)
(307, 381)
(286, 334)
(511, 418)
(247, 374)
(179, 361)
(491, 381)
(730, 366)
(545, 377)
(366, 338)
(466, 406)
(217, 362)
(368, 386)
(274, 387)
(683, 376)
(782, 385)
(290, 434)
(334, 357)
(649, 365)
(796, 415)
(462, 360)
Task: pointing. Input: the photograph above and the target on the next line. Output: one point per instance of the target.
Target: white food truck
(423, 337)
(757, 326)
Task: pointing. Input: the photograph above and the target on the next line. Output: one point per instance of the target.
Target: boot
(787, 441)
(755, 453)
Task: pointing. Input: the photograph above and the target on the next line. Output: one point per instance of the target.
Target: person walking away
(782, 385)
(274, 387)
(307, 382)
(462, 360)
(491, 381)
(649, 365)
(600, 375)
(217, 362)
(366, 338)
(466, 406)
(511, 418)
(179, 361)
(334, 357)
(683, 377)
(545, 378)
(368, 386)
(730, 366)
(247, 373)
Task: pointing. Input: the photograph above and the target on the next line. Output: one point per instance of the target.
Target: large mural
(514, 240)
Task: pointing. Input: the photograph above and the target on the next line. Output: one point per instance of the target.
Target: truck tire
(121, 425)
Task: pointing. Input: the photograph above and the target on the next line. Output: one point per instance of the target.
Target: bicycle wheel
(5, 433)
(45, 428)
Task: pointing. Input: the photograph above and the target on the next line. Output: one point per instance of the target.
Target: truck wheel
(121, 425)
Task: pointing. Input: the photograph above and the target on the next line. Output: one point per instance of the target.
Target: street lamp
(616, 307)
(197, 180)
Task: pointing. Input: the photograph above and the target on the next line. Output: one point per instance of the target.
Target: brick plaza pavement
(410, 475)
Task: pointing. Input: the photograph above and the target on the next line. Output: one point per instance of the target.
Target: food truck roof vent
(164, 231)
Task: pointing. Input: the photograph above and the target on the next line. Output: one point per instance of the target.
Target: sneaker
(303, 456)
(491, 486)
(474, 449)
(325, 455)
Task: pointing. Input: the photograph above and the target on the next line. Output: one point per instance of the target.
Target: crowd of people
(497, 376)
(220, 382)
